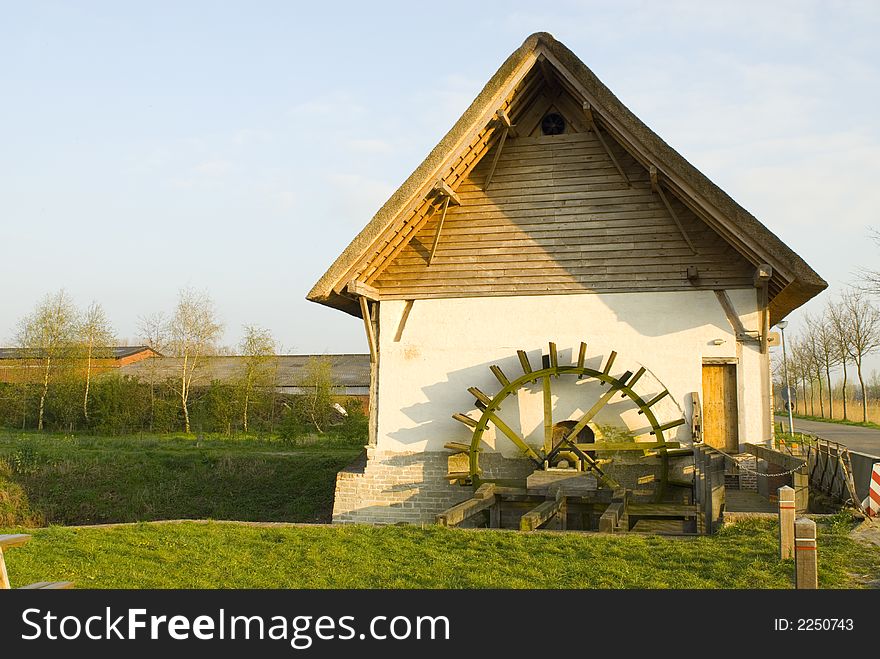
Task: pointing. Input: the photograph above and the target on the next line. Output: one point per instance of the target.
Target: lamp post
(782, 324)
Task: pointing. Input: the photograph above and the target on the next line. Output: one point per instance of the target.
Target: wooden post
(4, 577)
(800, 479)
(786, 522)
(806, 563)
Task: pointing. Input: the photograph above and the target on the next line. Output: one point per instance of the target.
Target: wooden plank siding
(558, 218)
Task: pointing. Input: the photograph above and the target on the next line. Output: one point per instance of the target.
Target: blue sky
(239, 146)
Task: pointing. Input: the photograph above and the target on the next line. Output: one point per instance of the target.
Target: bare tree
(153, 331)
(838, 325)
(799, 366)
(95, 337)
(318, 388)
(192, 333)
(870, 279)
(862, 322)
(826, 351)
(816, 356)
(258, 349)
(47, 335)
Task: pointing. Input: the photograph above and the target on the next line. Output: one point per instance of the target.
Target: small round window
(553, 124)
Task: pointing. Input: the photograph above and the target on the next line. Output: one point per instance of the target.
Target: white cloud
(250, 136)
(213, 168)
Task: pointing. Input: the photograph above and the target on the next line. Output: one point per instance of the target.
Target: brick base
(747, 480)
(391, 488)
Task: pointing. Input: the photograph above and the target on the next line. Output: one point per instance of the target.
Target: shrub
(15, 509)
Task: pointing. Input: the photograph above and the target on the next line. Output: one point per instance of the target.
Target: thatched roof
(794, 283)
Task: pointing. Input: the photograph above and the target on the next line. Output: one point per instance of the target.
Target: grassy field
(848, 422)
(214, 555)
(853, 411)
(55, 479)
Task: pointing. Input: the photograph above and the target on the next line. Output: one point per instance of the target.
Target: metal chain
(753, 471)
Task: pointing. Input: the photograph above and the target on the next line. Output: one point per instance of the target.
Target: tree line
(59, 379)
(839, 339)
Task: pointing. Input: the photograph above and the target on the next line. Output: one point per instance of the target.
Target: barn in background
(554, 278)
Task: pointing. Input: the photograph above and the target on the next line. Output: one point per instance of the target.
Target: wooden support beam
(553, 86)
(442, 189)
(368, 326)
(360, 289)
(439, 229)
(484, 497)
(588, 111)
(611, 517)
(732, 317)
(498, 149)
(554, 357)
(655, 186)
(504, 120)
(763, 274)
(626, 446)
(662, 509)
(407, 308)
(542, 514)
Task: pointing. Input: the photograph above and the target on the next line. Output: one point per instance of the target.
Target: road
(856, 438)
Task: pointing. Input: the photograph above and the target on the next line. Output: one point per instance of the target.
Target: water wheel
(570, 441)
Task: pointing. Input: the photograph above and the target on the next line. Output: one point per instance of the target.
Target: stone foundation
(392, 488)
(389, 488)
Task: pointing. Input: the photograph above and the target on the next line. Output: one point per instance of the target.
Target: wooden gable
(564, 213)
(605, 206)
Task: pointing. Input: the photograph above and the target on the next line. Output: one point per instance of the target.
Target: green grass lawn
(213, 555)
(56, 479)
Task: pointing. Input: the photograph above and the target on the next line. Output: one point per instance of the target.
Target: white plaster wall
(447, 345)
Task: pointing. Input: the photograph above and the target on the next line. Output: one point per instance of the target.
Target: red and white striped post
(872, 503)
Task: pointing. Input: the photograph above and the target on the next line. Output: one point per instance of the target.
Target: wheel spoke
(548, 416)
(512, 436)
(602, 402)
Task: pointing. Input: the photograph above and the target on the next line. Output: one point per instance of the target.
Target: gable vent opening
(553, 124)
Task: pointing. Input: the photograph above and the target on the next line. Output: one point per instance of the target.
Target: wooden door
(720, 418)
